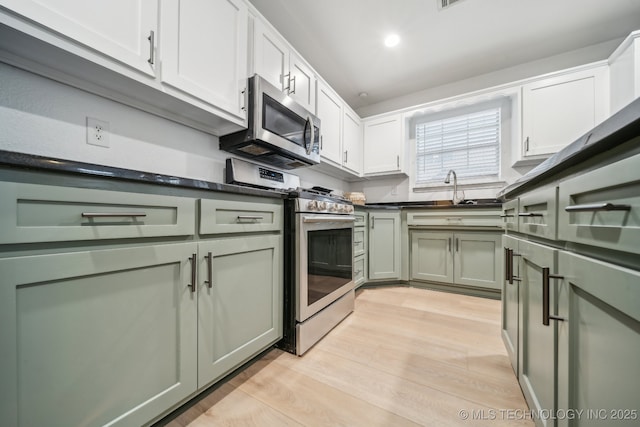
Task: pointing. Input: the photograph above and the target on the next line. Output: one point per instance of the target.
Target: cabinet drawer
(42, 213)
(602, 207)
(510, 215)
(361, 219)
(240, 215)
(359, 247)
(359, 268)
(537, 213)
(456, 217)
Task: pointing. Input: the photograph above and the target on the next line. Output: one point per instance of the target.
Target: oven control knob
(349, 209)
(333, 207)
(322, 206)
(342, 208)
(312, 205)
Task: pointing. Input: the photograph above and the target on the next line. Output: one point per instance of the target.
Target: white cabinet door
(558, 110)
(270, 55)
(204, 50)
(352, 141)
(383, 145)
(330, 113)
(302, 84)
(119, 29)
(274, 60)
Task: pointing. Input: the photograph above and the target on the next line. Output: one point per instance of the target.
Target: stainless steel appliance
(318, 254)
(280, 131)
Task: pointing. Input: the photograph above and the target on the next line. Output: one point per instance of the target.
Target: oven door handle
(328, 218)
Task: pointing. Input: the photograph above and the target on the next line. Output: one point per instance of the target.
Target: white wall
(44, 117)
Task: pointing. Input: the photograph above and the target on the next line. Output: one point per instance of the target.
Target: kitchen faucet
(447, 180)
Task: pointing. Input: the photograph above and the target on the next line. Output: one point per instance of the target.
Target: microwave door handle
(309, 146)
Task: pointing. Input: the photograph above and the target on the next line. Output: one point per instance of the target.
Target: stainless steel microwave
(280, 131)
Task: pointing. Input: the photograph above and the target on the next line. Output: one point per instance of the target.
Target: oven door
(324, 271)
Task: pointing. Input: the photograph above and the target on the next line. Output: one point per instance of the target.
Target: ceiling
(343, 39)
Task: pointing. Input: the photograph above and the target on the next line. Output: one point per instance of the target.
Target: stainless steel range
(318, 253)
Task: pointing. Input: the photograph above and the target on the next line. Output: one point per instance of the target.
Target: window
(467, 143)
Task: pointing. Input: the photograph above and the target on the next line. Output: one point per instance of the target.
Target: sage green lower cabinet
(359, 270)
(239, 302)
(463, 258)
(384, 245)
(99, 337)
(598, 342)
(537, 367)
(510, 299)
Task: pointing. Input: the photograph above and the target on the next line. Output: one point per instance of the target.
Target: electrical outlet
(97, 132)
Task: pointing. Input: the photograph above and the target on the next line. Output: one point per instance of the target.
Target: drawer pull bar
(507, 216)
(597, 207)
(545, 296)
(194, 276)
(249, 218)
(112, 214)
(209, 281)
(529, 214)
(358, 241)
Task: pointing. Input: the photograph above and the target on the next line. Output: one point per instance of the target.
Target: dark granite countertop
(616, 130)
(33, 162)
(438, 204)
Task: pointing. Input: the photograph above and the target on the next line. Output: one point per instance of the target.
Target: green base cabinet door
(384, 246)
(537, 341)
(239, 302)
(478, 259)
(510, 297)
(101, 337)
(432, 256)
(598, 342)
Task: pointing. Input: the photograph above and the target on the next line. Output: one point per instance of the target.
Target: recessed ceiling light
(392, 40)
(363, 94)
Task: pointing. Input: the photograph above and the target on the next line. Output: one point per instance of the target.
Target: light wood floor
(406, 356)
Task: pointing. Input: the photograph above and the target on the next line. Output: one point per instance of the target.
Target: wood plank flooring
(405, 357)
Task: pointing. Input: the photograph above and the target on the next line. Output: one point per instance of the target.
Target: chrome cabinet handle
(293, 91)
(288, 76)
(346, 156)
(151, 38)
(507, 216)
(449, 244)
(457, 245)
(194, 278)
(398, 162)
(545, 296)
(526, 145)
(595, 207)
(529, 214)
(509, 267)
(507, 264)
(112, 214)
(250, 218)
(321, 141)
(209, 281)
(358, 241)
(244, 100)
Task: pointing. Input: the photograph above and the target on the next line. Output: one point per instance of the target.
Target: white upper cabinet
(352, 141)
(558, 110)
(624, 72)
(274, 60)
(329, 111)
(341, 132)
(383, 145)
(123, 30)
(204, 50)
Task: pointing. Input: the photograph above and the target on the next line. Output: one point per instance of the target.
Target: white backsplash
(43, 117)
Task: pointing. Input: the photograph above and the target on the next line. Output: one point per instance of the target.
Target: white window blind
(469, 144)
